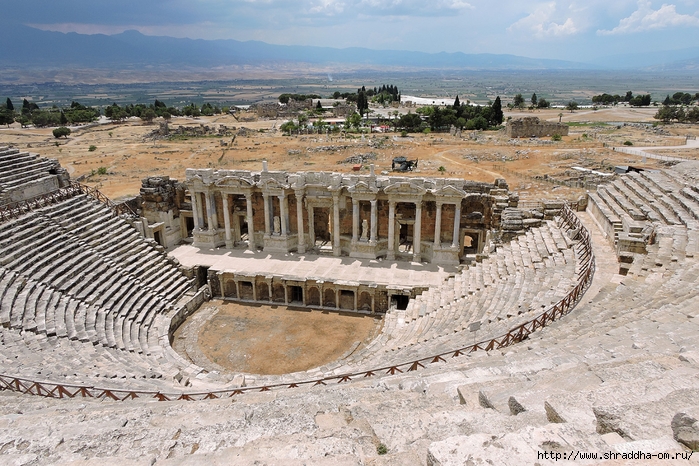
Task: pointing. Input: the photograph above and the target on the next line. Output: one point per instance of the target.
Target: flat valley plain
(246, 85)
(533, 167)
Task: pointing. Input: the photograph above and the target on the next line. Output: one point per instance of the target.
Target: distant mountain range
(26, 47)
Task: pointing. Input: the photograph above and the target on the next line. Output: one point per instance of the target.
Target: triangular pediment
(362, 188)
(405, 188)
(449, 191)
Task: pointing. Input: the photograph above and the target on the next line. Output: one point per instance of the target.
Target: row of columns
(212, 219)
(355, 221)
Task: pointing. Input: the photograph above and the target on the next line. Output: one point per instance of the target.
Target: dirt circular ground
(263, 339)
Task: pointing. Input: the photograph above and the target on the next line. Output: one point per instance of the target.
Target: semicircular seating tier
(80, 291)
(514, 285)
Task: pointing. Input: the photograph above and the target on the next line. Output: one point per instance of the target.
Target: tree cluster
(285, 98)
(680, 98)
(634, 101)
(668, 113)
(519, 102)
(75, 114)
(640, 101)
(470, 117)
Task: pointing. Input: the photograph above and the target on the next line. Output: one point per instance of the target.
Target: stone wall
(528, 127)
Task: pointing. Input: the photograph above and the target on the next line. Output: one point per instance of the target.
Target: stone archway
(364, 301)
(230, 290)
(329, 298)
(313, 298)
(262, 291)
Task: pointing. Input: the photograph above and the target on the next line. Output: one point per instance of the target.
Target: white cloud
(648, 19)
(326, 7)
(542, 23)
(411, 7)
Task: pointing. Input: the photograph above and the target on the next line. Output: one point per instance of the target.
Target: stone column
(251, 225)
(209, 211)
(265, 198)
(337, 298)
(311, 227)
(237, 289)
(374, 222)
(214, 214)
(195, 210)
(438, 226)
(299, 223)
(457, 225)
(336, 225)
(286, 293)
(417, 230)
(391, 255)
(355, 220)
(227, 221)
(283, 214)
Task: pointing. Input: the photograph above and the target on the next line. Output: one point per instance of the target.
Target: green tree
(457, 104)
(7, 117)
(354, 120)
(63, 120)
(288, 127)
(148, 115)
(666, 114)
(497, 115)
(9, 105)
(543, 103)
(61, 131)
(518, 102)
(628, 96)
(319, 106)
(362, 103)
(534, 100)
(572, 106)
(303, 120)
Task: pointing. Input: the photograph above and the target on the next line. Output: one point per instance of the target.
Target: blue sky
(574, 30)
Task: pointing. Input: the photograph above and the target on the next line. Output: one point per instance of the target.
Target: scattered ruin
(533, 127)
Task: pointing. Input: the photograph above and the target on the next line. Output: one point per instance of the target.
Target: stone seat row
(84, 277)
(509, 289)
(17, 169)
(72, 272)
(637, 203)
(99, 246)
(32, 306)
(631, 334)
(59, 360)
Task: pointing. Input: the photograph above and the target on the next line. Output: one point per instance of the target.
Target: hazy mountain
(652, 60)
(28, 47)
